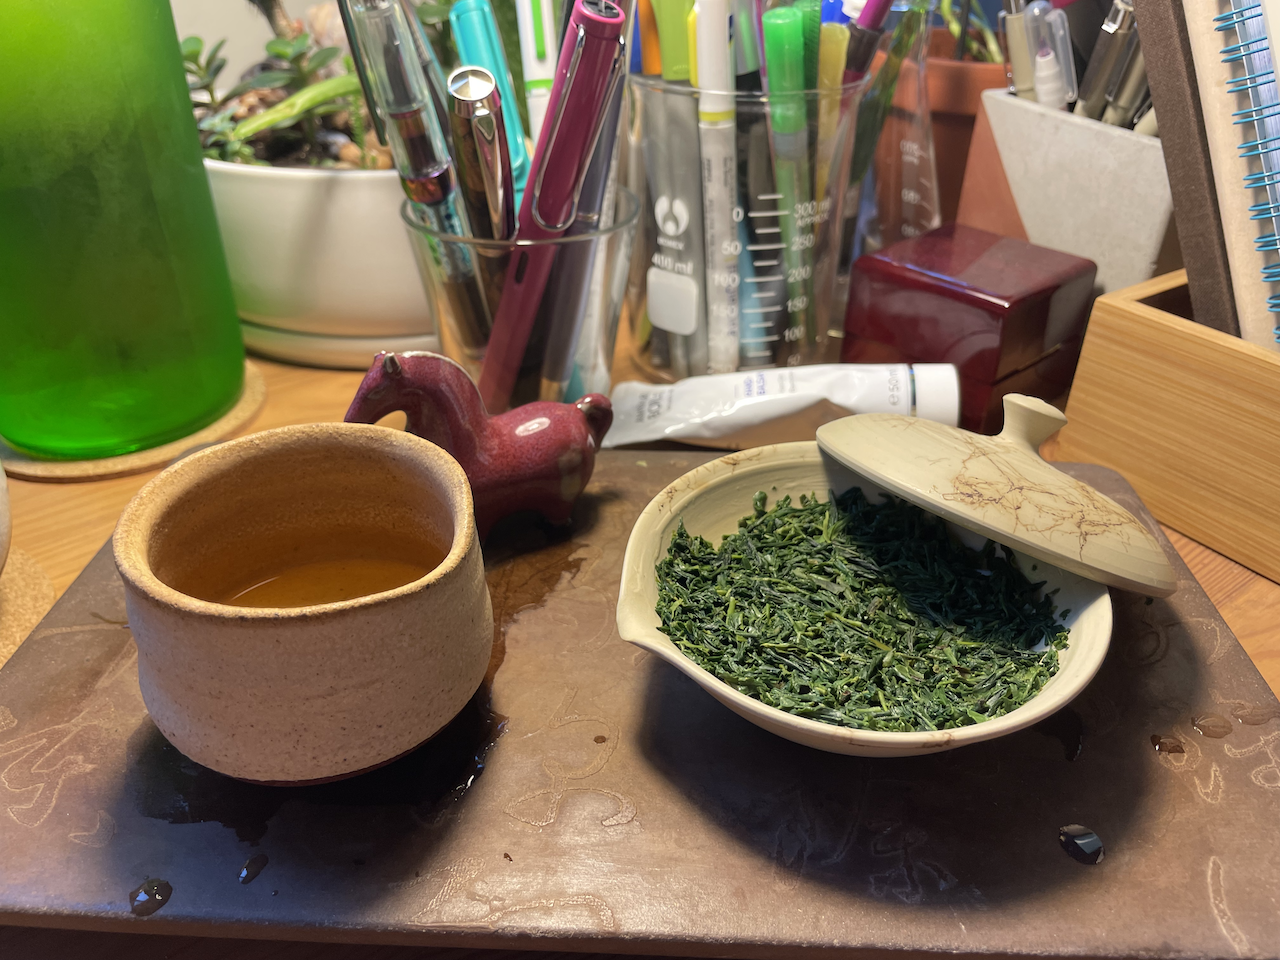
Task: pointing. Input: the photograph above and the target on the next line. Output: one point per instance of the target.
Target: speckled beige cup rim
(159, 494)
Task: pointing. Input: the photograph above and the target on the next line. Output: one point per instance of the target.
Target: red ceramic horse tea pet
(535, 457)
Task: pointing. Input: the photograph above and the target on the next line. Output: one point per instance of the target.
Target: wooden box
(1189, 415)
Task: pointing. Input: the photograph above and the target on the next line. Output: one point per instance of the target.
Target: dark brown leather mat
(617, 808)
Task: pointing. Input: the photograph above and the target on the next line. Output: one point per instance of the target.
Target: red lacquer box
(1010, 315)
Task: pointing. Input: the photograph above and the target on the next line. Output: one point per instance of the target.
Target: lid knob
(1029, 421)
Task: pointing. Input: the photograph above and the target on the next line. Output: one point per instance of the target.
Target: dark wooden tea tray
(597, 800)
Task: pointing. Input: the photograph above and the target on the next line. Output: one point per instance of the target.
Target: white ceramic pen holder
(1072, 184)
(571, 344)
(739, 250)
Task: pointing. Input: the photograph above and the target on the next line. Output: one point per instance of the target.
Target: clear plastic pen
(402, 96)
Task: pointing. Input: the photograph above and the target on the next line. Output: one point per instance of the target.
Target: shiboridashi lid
(1001, 488)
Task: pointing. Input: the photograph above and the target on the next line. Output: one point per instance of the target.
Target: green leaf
(299, 46)
(322, 58)
(191, 47)
(278, 47)
(215, 68)
(431, 13)
(308, 98)
(267, 80)
(271, 79)
(216, 49)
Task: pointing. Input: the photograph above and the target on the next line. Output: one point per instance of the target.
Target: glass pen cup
(570, 349)
(742, 255)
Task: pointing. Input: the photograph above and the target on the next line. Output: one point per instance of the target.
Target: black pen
(401, 93)
(481, 154)
(1108, 54)
(1128, 89)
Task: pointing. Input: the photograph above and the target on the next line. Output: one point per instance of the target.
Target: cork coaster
(26, 594)
(21, 467)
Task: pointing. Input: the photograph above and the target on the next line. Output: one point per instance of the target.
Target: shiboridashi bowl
(712, 498)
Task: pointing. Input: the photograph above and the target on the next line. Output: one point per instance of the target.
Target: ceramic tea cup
(293, 694)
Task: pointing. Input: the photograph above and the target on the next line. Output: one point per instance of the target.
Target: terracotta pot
(296, 694)
(955, 95)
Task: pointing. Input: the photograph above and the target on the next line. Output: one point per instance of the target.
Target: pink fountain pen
(592, 61)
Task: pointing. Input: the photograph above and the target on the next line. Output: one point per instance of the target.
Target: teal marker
(475, 34)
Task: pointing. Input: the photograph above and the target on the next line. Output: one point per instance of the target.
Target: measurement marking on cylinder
(769, 196)
(764, 230)
(762, 310)
(764, 213)
(766, 246)
(776, 276)
(765, 263)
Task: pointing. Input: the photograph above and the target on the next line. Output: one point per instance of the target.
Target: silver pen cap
(480, 152)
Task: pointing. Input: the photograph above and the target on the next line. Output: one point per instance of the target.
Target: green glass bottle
(117, 326)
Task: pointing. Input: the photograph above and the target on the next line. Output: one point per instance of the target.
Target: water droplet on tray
(1167, 744)
(150, 897)
(252, 867)
(1081, 843)
(1255, 714)
(1212, 725)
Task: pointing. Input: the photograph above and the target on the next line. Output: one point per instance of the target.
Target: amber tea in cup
(304, 568)
(327, 581)
(302, 530)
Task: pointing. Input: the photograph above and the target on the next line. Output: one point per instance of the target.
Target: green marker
(535, 22)
(784, 56)
(811, 10)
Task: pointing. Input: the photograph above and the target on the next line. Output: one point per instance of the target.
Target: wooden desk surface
(62, 525)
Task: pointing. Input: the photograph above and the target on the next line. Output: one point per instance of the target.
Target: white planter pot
(320, 263)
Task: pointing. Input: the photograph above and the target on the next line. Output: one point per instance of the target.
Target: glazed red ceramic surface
(536, 457)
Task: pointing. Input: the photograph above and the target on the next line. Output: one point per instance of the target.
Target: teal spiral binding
(1252, 51)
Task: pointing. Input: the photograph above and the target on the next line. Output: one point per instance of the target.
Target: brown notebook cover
(1162, 28)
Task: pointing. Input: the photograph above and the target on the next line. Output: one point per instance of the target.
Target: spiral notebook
(1225, 171)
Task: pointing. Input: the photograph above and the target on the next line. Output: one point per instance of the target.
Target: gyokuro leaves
(862, 615)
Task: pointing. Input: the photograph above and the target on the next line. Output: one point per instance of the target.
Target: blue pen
(833, 12)
(637, 61)
(475, 33)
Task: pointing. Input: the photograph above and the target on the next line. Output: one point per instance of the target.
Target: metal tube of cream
(743, 404)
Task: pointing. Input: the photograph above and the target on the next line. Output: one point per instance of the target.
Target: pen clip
(615, 75)
(487, 128)
(344, 10)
